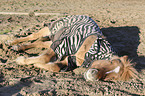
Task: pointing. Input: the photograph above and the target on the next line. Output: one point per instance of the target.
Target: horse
(75, 41)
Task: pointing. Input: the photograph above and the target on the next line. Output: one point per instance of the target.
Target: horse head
(117, 68)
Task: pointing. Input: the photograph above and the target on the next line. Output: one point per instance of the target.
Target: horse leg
(43, 32)
(49, 66)
(44, 58)
(52, 66)
(37, 44)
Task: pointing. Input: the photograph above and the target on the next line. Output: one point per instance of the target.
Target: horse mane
(127, 71)
(105, 67)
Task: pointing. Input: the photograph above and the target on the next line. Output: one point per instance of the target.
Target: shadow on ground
(13, 89)
(125, 41)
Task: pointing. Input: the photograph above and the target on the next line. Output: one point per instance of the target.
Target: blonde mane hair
(118, 68)
(127, 71)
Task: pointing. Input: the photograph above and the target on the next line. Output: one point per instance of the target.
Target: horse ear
(124, 57)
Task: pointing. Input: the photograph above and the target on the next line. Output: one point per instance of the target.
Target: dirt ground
(121, 21)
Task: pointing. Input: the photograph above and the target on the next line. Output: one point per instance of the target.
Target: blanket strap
(71, 64)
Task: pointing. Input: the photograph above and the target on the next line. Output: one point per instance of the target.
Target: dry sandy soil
(121, 21)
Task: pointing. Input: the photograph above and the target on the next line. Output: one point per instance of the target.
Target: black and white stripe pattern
(100, 50)
(69, 33)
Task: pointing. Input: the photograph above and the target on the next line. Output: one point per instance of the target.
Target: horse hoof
(21, 60)
(16, 47)
(8, 42)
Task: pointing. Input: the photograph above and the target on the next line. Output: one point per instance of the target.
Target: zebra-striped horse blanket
(69, 33)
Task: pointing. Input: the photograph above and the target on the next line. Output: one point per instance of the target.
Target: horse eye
(115, 60)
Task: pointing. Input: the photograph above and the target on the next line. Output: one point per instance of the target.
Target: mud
(121, 21)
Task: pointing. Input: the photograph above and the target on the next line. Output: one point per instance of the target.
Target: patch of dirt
(121, 21)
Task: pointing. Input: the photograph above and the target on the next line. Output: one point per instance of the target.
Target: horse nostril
(94, 71)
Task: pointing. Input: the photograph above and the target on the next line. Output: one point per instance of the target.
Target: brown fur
(126, 69)
(43, 61)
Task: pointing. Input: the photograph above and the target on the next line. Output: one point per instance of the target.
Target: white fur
(116, 70)
(89, 75)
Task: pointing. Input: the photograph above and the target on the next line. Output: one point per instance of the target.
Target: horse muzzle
(91, 75)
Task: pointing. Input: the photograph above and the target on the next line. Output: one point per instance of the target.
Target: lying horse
(76, 41)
